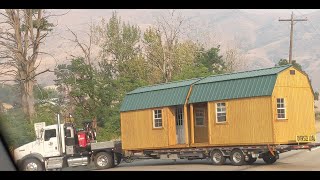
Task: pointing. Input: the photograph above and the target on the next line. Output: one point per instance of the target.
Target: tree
(22, 33)
(316, 96)
(121, 54)
(97, 86)
(294, 63)
(234, 60)
(212, 60)
(162, 41)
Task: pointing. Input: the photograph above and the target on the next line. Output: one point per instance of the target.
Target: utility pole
(291, 34)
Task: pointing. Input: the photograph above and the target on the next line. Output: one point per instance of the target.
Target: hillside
(262, 37)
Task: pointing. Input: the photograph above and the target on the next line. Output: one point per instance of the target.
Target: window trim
(177, 113)
(45, 132)
(153, 119)
(224, 122)
(195, 116)
(284, 107)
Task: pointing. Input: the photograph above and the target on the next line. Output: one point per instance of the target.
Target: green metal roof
(168, 85)
(160, 95)
(236, 85)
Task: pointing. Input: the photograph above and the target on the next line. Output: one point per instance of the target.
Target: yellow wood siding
(171, 123)
(191, 124)
(137, 130)
(249, 121)
(186, 124)
(299, 102)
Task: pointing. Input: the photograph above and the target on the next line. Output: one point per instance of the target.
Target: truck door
(51, 143)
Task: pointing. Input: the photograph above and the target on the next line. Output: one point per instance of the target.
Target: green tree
(212, 60)
(316, 96)
(294, 63)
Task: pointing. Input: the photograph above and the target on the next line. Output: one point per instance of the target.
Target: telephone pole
(291, 34)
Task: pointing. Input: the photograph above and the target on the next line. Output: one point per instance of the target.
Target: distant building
(51, 87)
(5, 107)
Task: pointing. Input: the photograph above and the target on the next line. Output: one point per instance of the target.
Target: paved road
(300, 160)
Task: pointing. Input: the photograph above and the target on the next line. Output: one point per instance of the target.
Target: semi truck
(62, 145)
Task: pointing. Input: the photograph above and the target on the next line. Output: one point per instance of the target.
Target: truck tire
(217, 157)
(237, 157)
(251, 160)
(32, 164)
(103, 160)
(268, 158)
(117, 159)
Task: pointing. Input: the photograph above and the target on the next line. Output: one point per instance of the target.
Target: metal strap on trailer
(285, 148)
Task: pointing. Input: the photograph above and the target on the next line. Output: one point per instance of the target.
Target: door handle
(50, 143)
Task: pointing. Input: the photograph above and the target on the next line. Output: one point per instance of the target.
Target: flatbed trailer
(238, 155)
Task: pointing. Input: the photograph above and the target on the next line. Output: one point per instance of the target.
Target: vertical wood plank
(192, 123)
(186, 126)
(209, 115)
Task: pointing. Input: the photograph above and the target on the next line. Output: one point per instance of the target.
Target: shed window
(199, 116)
(292, 72)
(157, 118)
(221, 112)
(281, 108)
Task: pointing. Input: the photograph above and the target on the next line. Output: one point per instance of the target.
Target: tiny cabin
(260, 107)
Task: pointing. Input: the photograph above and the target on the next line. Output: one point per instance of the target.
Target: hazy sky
(303, 11)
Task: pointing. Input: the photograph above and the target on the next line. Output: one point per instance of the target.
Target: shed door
(179, 125)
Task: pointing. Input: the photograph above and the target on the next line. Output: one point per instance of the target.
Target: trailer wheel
(103, 160)
(251, 160)
(237, 157)
(32, 164)
(217, 157)
(268, 158)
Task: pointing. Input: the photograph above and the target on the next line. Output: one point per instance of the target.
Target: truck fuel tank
(79, 161)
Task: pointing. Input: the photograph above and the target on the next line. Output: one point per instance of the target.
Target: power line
(316, 29)
(291, 34)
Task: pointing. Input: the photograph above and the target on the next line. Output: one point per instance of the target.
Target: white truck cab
(58, 146)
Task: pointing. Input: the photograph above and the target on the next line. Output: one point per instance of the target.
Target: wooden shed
(265, 106)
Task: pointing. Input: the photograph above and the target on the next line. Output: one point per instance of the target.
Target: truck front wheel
(32, 164)
(103, 160)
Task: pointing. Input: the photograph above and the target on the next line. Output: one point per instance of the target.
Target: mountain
(263, 39)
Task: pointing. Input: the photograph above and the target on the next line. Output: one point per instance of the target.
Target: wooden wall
(137, 130)
(299, 107)
(249, 121)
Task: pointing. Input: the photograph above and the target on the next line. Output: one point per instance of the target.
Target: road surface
(299, 160)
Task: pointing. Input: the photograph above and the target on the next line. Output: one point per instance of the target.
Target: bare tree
(86, 48)
(162, 40)
(234, 59)
(22, 33)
